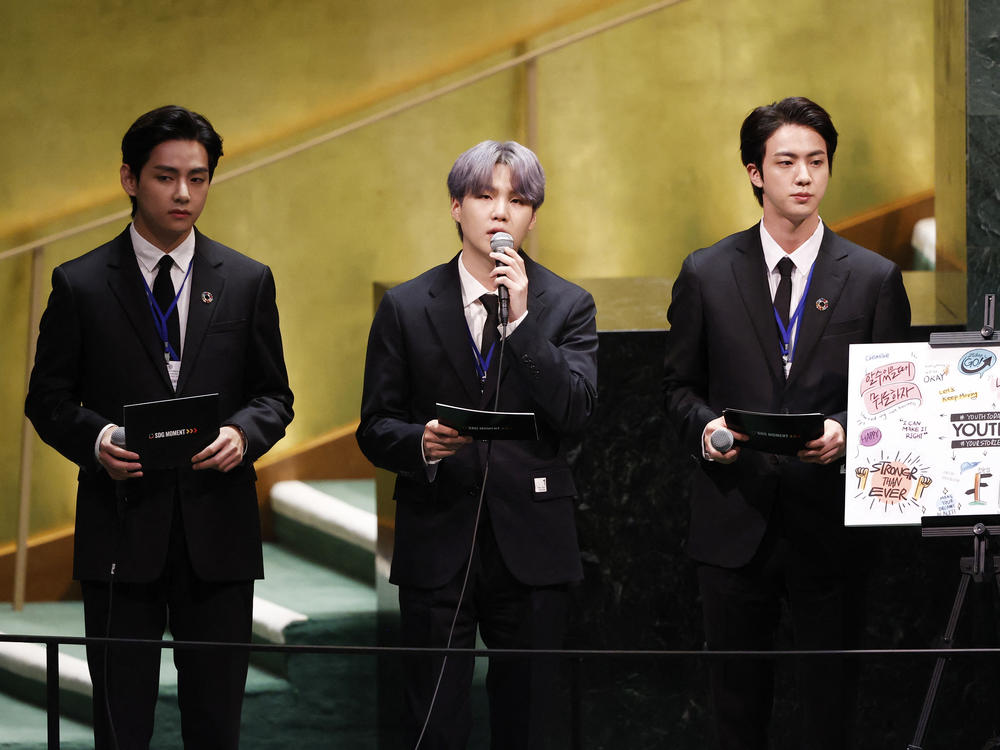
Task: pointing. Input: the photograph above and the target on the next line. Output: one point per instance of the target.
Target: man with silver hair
(485, 536)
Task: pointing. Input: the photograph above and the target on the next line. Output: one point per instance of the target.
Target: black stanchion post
(52, 692)
(576, 714)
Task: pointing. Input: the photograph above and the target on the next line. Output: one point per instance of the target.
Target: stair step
(298, 583)
(332, 521)
(25, 727)
(22, 665)
(335, 609)
(307, 602)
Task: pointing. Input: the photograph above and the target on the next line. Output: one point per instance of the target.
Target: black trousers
(741, 609)
(210, 683)
(508, 614)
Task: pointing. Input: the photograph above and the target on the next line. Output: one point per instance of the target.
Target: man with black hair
(475, 548)
(762, 321)
(157, 313)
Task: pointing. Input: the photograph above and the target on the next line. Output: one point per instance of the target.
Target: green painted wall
(637, 130)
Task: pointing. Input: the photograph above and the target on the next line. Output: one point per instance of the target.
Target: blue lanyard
(787, 343)
(482, 365)
(160, 318)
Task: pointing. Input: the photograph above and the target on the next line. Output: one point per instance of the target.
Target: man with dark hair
(762, 321)
(169, 123)
(163, 312)
(484, 536)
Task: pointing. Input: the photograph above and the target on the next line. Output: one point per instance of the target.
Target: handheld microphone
(118, 437)
(721, 440)
(497, 242)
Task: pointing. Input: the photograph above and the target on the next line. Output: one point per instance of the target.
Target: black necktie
(783, 297)
(163, 293)
(492, 304)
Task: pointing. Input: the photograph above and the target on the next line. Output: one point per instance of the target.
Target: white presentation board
(923, 433)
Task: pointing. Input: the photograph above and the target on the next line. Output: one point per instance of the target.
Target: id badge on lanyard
(171, 358)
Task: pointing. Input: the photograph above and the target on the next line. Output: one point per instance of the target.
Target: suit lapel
(447, 320)
(829, 276)
(750, 274)
(207, 282)
(125, 282)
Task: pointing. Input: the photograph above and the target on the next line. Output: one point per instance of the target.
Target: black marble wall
(983, 153)
(640, 593)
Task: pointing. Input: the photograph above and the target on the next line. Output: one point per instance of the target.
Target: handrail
(374, 118)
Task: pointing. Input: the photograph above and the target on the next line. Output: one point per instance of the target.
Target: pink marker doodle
(870, 436)
(877, 400)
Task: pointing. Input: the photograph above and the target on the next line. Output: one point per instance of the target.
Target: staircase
(318, 589)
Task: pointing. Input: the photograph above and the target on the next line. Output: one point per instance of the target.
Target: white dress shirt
(148, 255)
(803, 258)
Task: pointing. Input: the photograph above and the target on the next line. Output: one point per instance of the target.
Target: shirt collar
(472, 290)
(149, 254)
(803, 256)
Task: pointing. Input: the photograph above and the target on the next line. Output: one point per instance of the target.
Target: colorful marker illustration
(977, 486)
(895, 483)
(922, 484)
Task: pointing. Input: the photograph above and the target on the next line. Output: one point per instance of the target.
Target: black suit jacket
(723, 351)
(419, 354)
(98, 350)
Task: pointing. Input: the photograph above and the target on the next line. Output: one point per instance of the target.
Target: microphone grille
(501, 239)
(118, 437)
(721, 440)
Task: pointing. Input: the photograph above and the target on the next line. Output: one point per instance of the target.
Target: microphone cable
(121, 505)
(121, 502)
(472, 548)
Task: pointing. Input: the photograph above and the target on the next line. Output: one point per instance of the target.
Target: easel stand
(983, 564)
(979, 568)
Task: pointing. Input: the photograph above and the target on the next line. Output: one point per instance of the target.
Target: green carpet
(25, 727)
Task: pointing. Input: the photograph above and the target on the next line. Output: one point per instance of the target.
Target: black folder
(775, 433)
(166, 434)
(489, 425)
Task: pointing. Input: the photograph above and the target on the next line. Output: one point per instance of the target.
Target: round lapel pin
(822, 304)
(208, 297)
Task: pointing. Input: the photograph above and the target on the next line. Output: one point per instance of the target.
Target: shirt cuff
(430, 467)
(100, 437)
(704, 453)
(513, 324)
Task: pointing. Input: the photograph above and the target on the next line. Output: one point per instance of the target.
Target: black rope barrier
(52, 643)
